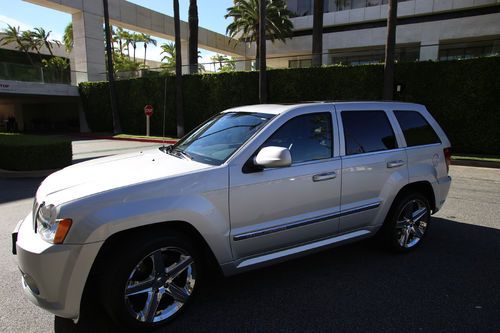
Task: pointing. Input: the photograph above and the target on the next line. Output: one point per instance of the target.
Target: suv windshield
(217, 139)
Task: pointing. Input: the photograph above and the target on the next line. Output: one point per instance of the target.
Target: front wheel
(152, 282)
(407, 223)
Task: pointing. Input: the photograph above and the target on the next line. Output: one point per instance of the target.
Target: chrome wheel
(412, 223)
(160, 284)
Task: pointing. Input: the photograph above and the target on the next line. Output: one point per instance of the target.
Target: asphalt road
(450, 284)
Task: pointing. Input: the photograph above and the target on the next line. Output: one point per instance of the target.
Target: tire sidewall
(124, 260)
(391, 231)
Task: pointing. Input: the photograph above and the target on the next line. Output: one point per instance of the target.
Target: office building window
(299, 63)
(375, 56)
(473, 49)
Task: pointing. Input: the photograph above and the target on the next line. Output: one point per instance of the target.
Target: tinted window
(416, 129)
(308, 137)
(367, 131)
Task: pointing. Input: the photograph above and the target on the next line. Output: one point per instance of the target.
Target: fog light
(30, 283)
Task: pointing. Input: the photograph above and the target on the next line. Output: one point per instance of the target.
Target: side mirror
(273, 157)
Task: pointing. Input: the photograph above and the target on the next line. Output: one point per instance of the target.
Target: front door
(281, 207)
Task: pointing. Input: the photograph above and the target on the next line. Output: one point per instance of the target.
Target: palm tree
(317, 37)
(31, 42)
(226, 64)
(68, 37)
(146, 39)
(178, 72)
(119, 37)
(245, 26)
(136, 38)
(220, 58)
(14, 35)
(389, 50)
(193, 37)
(44, 39)
(168, 49)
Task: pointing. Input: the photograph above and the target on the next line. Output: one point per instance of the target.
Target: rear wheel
(407, 223)
(152, 281)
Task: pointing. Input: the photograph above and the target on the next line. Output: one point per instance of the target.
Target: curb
(105, 137)
(474, 163)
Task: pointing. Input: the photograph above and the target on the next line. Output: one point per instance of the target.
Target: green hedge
(462, 95)
(32, 152)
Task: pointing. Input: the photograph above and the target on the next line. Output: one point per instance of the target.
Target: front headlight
(50, 228)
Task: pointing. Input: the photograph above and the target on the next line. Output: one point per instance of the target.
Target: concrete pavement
(450, 284)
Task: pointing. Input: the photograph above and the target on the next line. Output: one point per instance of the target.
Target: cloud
(4, 21)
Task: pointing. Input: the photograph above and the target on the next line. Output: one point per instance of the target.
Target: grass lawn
(474, 157)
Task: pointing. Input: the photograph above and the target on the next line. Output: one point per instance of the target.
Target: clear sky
(27, 15)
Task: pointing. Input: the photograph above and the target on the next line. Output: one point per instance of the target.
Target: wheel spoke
(179, 294)
(152, 305)
(405, 234)
(418, 232)
(418, 214)
(158, 263)
(176, 269)
(139, 288)
(408, 210)
(401, 224)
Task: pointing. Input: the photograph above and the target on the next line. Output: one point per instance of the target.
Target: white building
(354, 31)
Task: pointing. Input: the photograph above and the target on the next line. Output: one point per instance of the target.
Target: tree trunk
(389, 50)
(145, 49)
(178, 72)
(193, 37)
(262, 53)
(117, 128)
(317, 37)
(257, 52)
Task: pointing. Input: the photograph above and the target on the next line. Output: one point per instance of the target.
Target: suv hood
(104, 174)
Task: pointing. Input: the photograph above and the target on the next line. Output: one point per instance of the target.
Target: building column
(325, 59)
(88, 49)
(243, 64)
(185, 57)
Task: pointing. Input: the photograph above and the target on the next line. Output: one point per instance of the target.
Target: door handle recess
(324, 176)
(395, 164)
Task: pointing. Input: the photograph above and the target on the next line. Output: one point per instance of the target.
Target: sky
(27, 16)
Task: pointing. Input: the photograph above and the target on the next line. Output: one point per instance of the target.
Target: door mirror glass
(273, 157)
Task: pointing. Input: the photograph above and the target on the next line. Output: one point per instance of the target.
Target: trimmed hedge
(462, 95)
(31, 152)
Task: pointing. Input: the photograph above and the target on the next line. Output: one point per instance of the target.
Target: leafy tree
(245, 25)
(68, 37)
(14, 35)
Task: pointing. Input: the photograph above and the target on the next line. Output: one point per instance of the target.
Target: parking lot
(450, 284)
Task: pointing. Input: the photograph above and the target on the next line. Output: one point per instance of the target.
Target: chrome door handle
(395, 164)
(324, 176)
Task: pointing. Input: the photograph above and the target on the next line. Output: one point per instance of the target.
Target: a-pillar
(88, 49)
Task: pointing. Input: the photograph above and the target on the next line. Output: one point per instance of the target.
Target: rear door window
(367, 131)
(416, 129)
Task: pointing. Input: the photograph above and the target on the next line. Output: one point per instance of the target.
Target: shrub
(33, 152)
(462, 95)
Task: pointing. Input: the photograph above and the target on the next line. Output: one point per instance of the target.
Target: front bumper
(53, 276)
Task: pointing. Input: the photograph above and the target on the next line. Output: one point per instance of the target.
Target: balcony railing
(29, 73)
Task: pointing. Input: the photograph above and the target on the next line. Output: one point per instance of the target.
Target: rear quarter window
(417, 131)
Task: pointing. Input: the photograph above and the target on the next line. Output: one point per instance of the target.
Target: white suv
(252, 186)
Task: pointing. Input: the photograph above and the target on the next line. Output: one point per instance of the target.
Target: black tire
(135, 262)
(396, 227)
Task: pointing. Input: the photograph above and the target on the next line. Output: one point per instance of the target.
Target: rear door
(374, 164)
